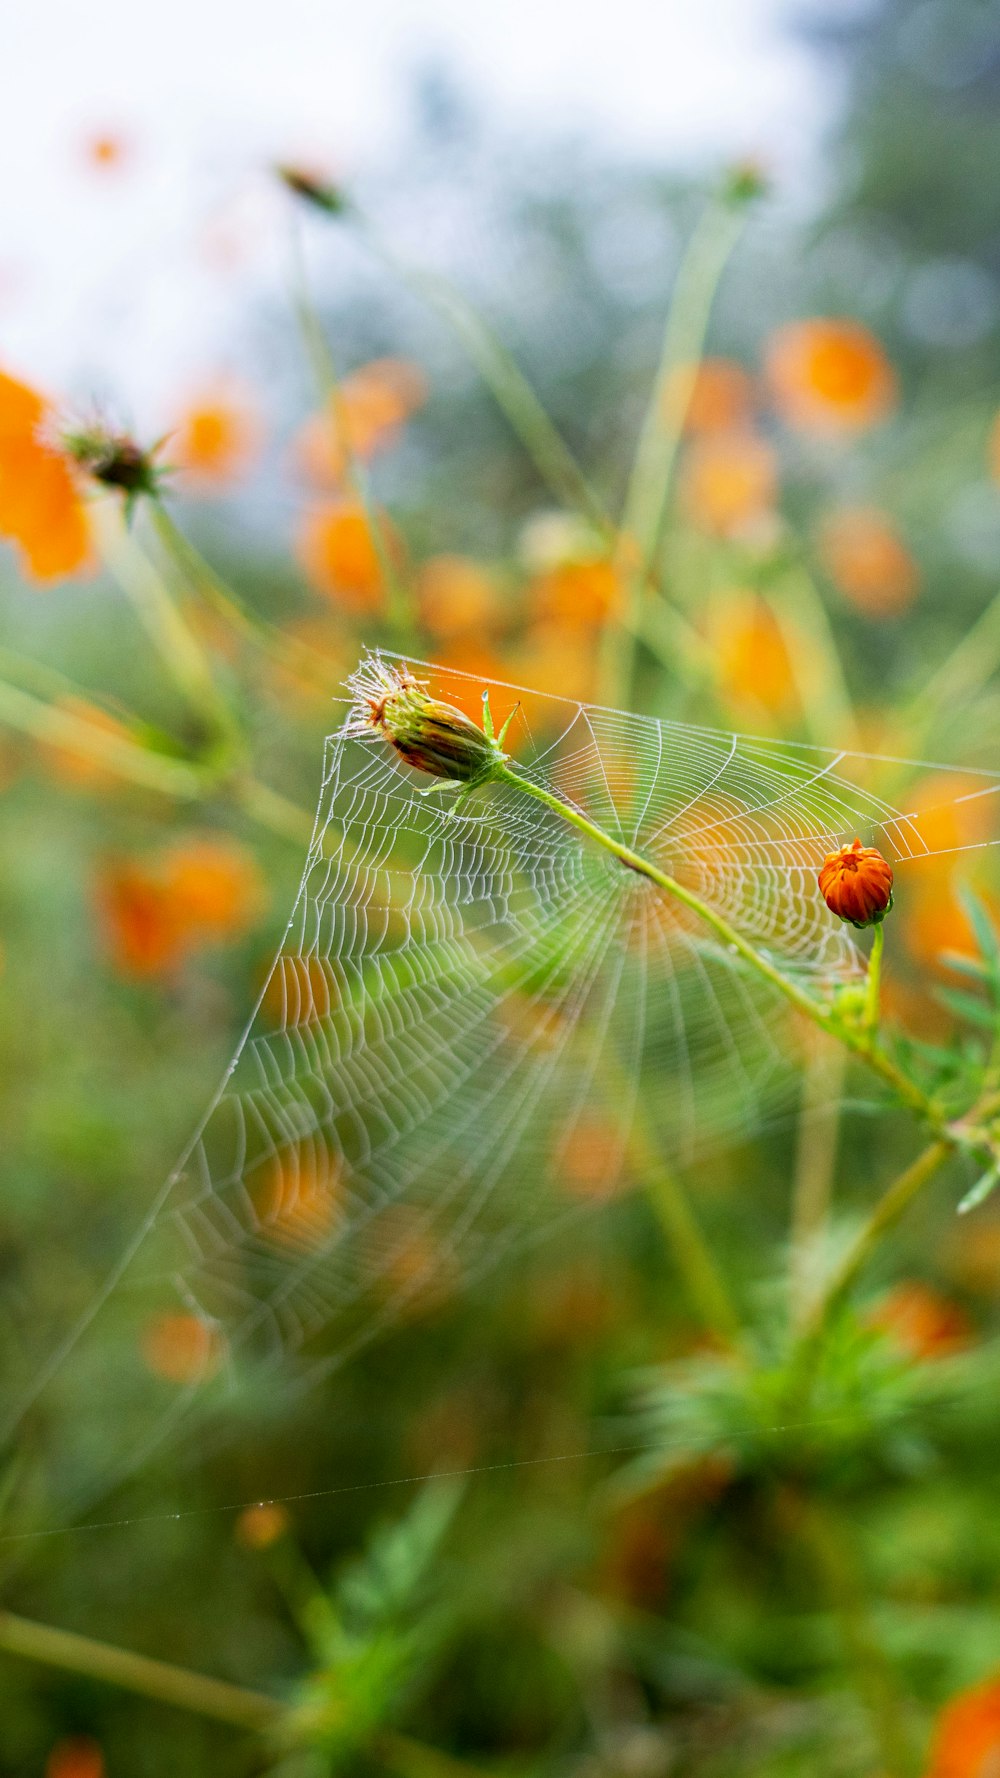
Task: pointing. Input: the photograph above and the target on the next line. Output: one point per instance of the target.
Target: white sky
(130, 276)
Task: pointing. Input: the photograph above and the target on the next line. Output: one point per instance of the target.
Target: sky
(126, 273)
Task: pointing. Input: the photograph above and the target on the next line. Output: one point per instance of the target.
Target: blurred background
(532, 181)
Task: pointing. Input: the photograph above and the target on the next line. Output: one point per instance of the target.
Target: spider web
(472, 1007)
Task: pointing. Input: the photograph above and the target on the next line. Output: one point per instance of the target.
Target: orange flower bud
(856, 884)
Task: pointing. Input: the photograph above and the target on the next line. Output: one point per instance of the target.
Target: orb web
(474, 1004)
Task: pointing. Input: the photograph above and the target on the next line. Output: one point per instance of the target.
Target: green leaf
(980, 1191)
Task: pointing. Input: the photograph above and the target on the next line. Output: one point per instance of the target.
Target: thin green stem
(815, 1161)
(174, 640)
(159, 1680)
(57, 727)
(873, 981)
(857, 1038)
(648, 492)
(808, 635)
(327, 380)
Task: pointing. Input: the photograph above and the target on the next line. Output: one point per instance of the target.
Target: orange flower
(76, 1757)
(41, 508)
(579, 593)
(867, 560)
(301, 1199)
(180, 1348)
(455, 595)
(552, 654)
(217, 437)
(967, 1739)
(755, 669)
(856, 884)
(720, 397)
(588, 1159)
(258, 1527)
(830, 376)
(730, 483)
(215, 886)
(364, 417)
(339, 556)
(921, 1322)
(142, 932)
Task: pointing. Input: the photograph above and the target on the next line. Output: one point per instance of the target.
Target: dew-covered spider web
(474, 1011)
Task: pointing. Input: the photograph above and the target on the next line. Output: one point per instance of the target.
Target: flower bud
(856, 884)
(313, 189)
(433, 736)
(114, 459)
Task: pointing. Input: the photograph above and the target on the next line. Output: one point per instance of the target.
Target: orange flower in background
(217, 436)
(830, 376)
(967, 1738)
(106, 151)
(755, 668)
(552, 654)
(76, 1757)
(579, 593)
(921, 1322)
(729, 483)
(856, 884)
(455, 595)
(181, 1348)
(216, 886)
(720, 396)
(155, 911)
(260, 1526)
(300, 1200)
(365, 417)
(588, 1159)
(41, 506)
(339, 555)
(142, 932)
(868, 561)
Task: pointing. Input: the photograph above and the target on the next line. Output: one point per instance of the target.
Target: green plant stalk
(216, 1699)
(54, 727)
(196, 572)
(175, 642)
(327, 380)
(808, 636)
(873, 980)
(815, 1160)
(822, 1536)
(648, 492)
(859, 1040)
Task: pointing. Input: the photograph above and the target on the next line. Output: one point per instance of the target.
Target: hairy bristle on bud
(435, 737)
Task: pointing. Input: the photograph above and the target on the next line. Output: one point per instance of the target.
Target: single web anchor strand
(434, 1072)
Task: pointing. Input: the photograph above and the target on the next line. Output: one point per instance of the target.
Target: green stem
(873, 981)
(815, 1161)
(56, 727)
(706, 1289)
(158, 1680)
(647, 496)
(175, 642)
(861, 1041)
(327, 380)
(873, 1674)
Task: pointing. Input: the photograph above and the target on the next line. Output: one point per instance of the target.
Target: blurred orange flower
(106, 150)
(364, 417)
(300, 1200)
(76, 1757)
(340, 557)
(729, 483)
(41, 506)
(217, 888)
(754, 666)
(258, 1527)
(142, 932)
(455, 595)
(720, 398)
(921, 1322)
(868, 561)
(577, 593)
(552, 654)
(217, 436)
(180, 1348)
(967, 1739)
(588, 1159)
(830, 376)
(156, 911)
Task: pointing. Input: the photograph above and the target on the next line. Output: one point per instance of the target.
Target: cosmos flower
(830, 376)
(856, 884)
